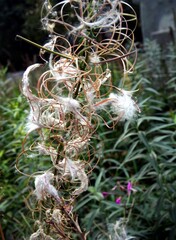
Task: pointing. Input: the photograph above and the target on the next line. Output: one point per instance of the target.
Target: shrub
(142, 153)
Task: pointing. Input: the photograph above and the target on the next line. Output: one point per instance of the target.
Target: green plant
(142, 152)
(13, 211)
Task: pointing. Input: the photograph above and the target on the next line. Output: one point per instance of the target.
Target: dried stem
(44, 48)
(67, 101)
(1, 232)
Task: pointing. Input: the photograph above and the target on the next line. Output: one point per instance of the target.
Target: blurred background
(156, 20)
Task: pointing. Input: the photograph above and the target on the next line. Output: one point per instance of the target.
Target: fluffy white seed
(43, 187)
(123, 105)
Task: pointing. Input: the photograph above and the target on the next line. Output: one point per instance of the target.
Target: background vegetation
(23, 18)
(142, 152)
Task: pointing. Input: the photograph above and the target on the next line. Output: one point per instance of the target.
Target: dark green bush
(13, 187)
(142, 152)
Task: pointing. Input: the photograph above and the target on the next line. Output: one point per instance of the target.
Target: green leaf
(98, 180)
(144, 140)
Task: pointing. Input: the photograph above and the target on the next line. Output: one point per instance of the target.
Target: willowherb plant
(74, 93)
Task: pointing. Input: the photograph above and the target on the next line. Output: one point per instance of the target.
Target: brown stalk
(1, 233)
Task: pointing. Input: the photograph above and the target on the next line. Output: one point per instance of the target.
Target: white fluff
(123, 105)
(25, 87)
(44, 113)
(70, 104)
(63, 70)
(32, 119)
(39, 234)
(76, 145)
(106, 19)
(118, 231)
(43, 187)
(75, 170)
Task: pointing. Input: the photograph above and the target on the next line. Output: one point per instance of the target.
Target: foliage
(13, 211)
(143, 153)
(23, 17)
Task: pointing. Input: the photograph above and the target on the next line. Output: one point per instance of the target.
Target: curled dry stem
(70, 100)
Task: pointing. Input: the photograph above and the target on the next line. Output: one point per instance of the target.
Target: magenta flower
(105, 194)
(129, 188)
(118, 200)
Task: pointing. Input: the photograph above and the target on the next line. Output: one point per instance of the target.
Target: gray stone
(158, 19)
(163, 36)
(15, 77)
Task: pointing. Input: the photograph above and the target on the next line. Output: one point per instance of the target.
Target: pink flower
(105, 194)
(118, 200)
(129, 188)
